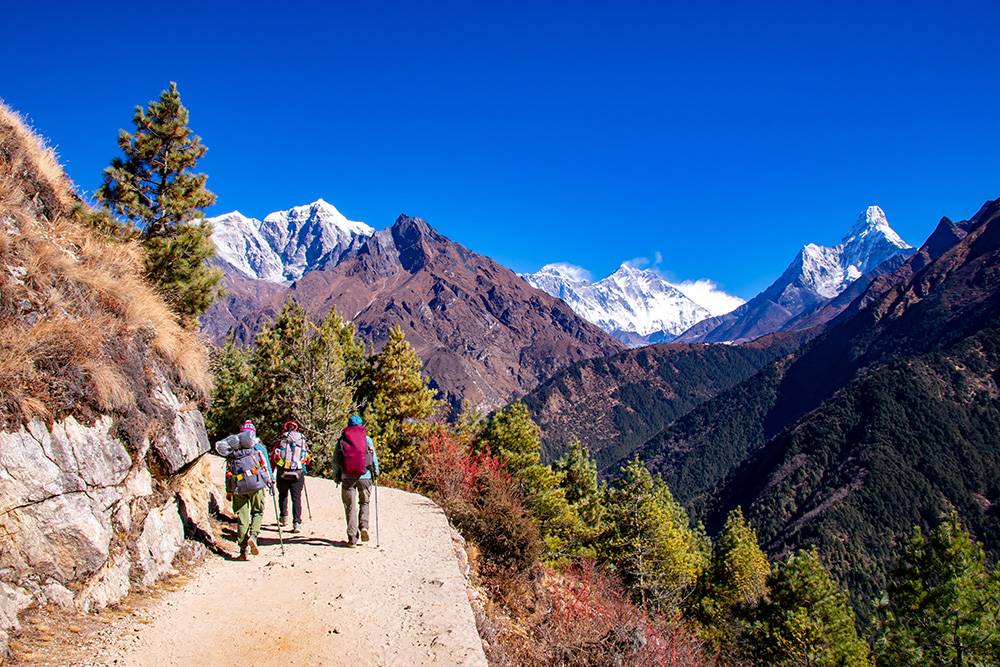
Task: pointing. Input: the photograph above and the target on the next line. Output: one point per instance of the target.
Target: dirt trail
(404, 603)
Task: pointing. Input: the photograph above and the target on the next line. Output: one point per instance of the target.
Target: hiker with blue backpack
(248, 474)
(291, 461)
(355, 463)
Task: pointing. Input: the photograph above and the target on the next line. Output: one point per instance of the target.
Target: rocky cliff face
(85, 517)
(101, 438)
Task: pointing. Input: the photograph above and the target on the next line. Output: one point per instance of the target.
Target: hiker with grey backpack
(291, 461)
(248, 474)
(355, 466)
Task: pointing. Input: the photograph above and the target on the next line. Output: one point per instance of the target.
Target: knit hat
(248, 426)
(355, 420)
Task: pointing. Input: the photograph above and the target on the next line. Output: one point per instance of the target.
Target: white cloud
(706, 293)
(567, 270)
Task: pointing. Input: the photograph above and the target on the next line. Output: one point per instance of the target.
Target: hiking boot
(364, 535)
(252, 543)
(283, 521)
(243, 554)
(295, 527)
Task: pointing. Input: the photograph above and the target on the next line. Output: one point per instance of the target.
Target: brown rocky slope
(100, 434)
(484, 334)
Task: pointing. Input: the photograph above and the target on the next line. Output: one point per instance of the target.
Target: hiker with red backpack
(248, 474)
(355, 463)
(291, 459)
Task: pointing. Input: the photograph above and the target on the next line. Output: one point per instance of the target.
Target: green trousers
(249, 511)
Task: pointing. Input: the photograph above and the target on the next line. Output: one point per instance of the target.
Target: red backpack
(354, 447)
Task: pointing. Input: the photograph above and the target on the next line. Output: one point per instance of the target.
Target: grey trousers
(355, 494)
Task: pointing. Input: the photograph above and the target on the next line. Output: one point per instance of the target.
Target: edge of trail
(322, 603)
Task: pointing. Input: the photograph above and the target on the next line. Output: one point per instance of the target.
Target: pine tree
(515, 438)
(280, 351)
(232, 392)
(470, 423)
(734, 583)
(649, 540)
(400, 407)
(296, 371)
(323, 399)
(942, 605)
(579, 480)
(806, 618)
(153, 187)
(356, 365)
(176, 263)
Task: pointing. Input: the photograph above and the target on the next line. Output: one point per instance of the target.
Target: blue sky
(722, 136)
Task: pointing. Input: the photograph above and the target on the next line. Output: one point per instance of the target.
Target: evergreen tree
(649, 540)
(296, 370)
(470, 423)
(806, 618)
(323, 396)
(176, 263)
(232, 392)
(943, 604)
(153, 187)
(356, 365)
(515, 438)
(400, 407)
(578, 470)
(279, 354)
(734, 583)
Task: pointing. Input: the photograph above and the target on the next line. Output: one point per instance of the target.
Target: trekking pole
(305, 490)
(376, 512)
(277, 520)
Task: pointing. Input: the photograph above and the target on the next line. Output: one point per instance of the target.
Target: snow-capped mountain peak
(872, 222)
(828, 270)
(285, 244)
(636, 305)
(239, 243)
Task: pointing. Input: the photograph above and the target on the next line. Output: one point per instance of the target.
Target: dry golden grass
(81, 332)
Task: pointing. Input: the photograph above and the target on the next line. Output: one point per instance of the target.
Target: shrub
(483, 500)
(592, 621)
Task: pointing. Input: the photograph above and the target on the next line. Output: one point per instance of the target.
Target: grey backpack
(248, 470)
(289, 454)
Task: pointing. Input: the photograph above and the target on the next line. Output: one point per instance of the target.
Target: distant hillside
(887, 419)
(484, 334)
(615, 404)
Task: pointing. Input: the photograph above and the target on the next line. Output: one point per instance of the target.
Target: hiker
(291, 460)
(248, 473)
(354, 463)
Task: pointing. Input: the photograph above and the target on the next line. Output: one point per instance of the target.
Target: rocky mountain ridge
(483, 332)
(285, 244)
(885, 420)
(637, 306)
(816, 276)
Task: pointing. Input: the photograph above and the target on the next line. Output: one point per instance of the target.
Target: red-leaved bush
(479, 495)
(592, 621)
(450, 470)
(575, 616)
